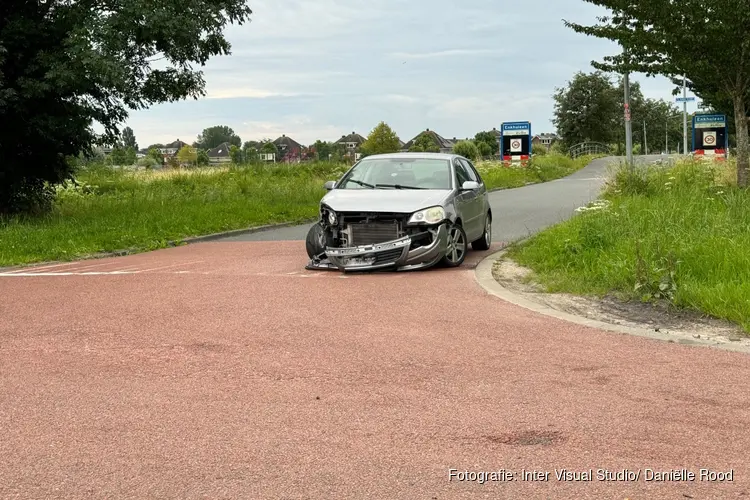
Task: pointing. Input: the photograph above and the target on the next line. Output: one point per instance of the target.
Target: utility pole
(666, 136)
(645, 143)
(684, 117)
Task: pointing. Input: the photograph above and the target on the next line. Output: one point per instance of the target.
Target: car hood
(384, 200)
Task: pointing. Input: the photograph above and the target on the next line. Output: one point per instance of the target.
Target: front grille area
(370, 233)
(388, 256)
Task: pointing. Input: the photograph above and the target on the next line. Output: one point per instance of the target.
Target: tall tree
(64, 65)
(706, 41)
(487, 143)
(214, 136)
(382, 139)
(587, 109)
(128, 138)
(322, 150)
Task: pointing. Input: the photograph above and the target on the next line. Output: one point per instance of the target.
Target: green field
(114, 209)
(678, 233)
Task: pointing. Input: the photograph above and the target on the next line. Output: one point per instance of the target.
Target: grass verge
(678, 234)
(144, 210)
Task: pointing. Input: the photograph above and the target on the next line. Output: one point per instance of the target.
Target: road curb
(170, 244)
(485, 279)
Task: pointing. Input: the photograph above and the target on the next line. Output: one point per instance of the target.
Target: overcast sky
(318, 69)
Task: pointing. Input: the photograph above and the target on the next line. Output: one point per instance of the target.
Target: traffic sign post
(515, 141)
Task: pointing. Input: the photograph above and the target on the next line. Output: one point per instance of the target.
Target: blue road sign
(685, 99)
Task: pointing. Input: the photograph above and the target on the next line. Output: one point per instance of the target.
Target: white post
(684, 117)
(628, 127)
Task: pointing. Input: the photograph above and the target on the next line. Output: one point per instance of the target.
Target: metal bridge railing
(588, 148)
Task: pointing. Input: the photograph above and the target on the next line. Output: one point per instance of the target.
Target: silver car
(401, 211)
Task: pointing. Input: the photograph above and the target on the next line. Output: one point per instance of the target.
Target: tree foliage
(212, 137)
(202, 158)
(65, 65)
(322, 150)
(235, 153)
(381, 140)
(128, 138)
(425, 144)
(588, 109)
(467, 149)
(123, 155)
(705, 41)
(487, 143)
(187, 155)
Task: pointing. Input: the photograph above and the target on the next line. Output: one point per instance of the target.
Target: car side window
(470, 171)
(461, 174)
(473, 173)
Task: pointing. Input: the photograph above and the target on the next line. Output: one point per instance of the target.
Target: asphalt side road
(519, 212)
(226, 370)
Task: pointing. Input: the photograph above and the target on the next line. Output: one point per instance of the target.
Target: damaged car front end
(400, 211)
(356, 241)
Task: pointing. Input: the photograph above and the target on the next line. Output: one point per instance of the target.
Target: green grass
(542, 168)
(145, 210)
(677, 233)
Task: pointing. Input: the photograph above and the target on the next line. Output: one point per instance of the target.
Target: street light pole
(645, 142)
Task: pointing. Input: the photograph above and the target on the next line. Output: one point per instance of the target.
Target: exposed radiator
(373, 232)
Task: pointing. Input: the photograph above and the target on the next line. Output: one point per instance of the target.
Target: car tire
(485, 241)
(314, 241)
(456, 236)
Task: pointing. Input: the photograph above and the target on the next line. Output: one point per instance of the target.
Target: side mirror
(329, 185)
(470, 186)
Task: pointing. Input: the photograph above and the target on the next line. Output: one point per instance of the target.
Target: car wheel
(455, 252)
(485, 241)
(315, 241)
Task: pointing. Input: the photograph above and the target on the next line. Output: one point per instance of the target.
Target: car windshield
(399, 173)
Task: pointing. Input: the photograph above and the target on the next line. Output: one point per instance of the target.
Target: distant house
(352, 144)
(220, 154)
(141, 153)
(546, 140)
(445, 145)
(289, 149)
(173, 148)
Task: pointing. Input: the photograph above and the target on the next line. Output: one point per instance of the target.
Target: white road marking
(79, 272)
(172, 265)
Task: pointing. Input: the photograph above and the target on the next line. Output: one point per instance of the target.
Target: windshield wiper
(398, 186)
(361, 183)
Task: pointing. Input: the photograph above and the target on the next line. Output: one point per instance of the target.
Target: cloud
(446, 53)
(317, 70)
(245, 92)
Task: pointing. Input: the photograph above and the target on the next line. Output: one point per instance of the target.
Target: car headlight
(431, 215)
(332, 217)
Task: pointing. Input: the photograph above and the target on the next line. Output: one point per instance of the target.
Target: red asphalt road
(225, 370)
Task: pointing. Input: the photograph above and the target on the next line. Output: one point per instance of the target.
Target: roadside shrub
(467, 149)
(148, 162)
(538, 149)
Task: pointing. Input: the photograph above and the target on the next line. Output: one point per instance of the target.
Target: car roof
(433, 156)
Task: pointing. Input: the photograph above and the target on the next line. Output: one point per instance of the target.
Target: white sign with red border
(709, 139)
(515, 145)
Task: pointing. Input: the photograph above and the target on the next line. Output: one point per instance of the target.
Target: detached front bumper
(396, 254)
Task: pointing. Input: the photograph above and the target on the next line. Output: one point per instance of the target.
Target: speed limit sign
(515, 145)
